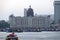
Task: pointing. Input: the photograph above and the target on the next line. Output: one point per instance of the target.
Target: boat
(11, 38)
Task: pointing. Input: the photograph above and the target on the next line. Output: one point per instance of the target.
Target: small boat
(12, 38)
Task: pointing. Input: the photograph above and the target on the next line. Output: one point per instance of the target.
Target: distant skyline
(16, 7)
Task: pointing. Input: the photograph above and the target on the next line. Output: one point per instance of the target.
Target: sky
(56, 0)
(16, 7)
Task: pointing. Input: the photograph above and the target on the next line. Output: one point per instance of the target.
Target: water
(34, 35)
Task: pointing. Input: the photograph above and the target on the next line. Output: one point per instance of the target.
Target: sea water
(33, 35)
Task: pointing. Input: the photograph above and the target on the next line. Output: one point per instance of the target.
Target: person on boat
(12, 35)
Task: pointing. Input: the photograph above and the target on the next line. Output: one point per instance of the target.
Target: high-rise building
(30, 12)
(57, 11)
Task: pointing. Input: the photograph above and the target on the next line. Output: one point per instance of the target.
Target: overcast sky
(16, 7)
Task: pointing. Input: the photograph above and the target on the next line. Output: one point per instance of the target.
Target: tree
(4, 24)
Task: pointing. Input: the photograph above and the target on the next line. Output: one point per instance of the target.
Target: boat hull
(12, 38)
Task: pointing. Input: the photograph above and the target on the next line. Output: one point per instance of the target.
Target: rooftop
(56, 0)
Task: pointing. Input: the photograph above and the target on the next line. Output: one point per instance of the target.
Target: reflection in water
(34, 35)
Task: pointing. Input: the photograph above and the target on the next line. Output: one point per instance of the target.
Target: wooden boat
(12, 38)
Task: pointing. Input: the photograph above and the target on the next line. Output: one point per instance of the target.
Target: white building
(37, 21)
(29, 20)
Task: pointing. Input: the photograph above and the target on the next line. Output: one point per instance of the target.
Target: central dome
(30, 12)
